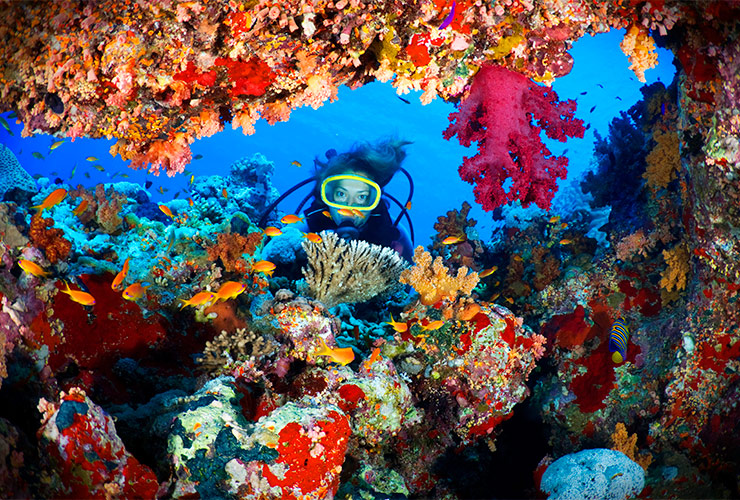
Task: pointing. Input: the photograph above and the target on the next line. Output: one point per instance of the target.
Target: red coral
(113, 328)
(250, 78)
(51, 241)
(306, 472)
(505, 113)
(194, 75)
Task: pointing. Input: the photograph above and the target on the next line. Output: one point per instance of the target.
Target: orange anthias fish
(198, 299)
(313, 237)
(120, 276)
(32, 268)
(565, 241)
(225, 193)
(229, 290)
(343, 356)
(272, 231)
(359, 213)
(263, 266)
(54, 197)
(79, 296)
(397, 325)
(434, 325)
(346, 212)
(453, 239)
(135, 291)
(80, 208)
(291, 219)
(190, 202)
(166, 210)
(487, 272)
(326, 213)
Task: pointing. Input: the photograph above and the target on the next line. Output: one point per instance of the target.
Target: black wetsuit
(378, 229)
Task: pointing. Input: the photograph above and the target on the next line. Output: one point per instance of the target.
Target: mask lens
(350, 191)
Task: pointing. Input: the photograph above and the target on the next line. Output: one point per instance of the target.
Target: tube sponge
(12, 174)
(593, 474)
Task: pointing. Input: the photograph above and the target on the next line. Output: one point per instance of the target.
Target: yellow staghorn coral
(639, 47)
(674, 277)
(621, 441)
(339, 272)
(432, 280)
(663, 161)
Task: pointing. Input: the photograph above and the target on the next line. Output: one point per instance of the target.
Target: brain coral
(12, 174)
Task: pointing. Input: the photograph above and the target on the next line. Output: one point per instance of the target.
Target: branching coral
(228, 348)
(51, 241)
(340, 272)
(505, 113)
(432, 280)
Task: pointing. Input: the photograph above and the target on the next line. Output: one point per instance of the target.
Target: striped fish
(618, 338)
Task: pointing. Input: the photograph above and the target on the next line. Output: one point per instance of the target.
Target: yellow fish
(134, 291)
(326, 213)
(166, 210)
(312, 237)
(32, 268)
(487, 272)
(453, 239)
(192, 178)
(263, 266)
(229, 290)
(80, 208)
(554, 219)
(434, 325)
(79, 296)
(198, 299)
(272, 231)
(343, 356)
(56, 145)
(397, 325)
(291, 219)
(54, 197)
(91, 158)
(565, 242)
(296, 163)
(120, 276)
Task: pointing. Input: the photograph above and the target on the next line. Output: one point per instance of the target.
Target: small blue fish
(618, 338)
(449, 17)
(662, 109)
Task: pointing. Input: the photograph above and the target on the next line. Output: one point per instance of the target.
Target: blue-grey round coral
(593, 475)
(12, 174)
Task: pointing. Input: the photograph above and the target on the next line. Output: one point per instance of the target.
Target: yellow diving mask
(350, 191)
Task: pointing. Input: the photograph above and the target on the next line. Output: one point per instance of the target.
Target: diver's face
(353, 193)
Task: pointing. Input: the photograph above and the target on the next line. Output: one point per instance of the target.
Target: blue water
(600, 78)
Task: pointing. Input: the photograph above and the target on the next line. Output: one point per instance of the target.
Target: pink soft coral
(505, 113)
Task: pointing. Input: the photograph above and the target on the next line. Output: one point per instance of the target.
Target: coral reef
(340, 272)
(432, 279)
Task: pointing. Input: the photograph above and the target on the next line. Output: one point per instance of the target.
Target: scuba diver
(349, 198)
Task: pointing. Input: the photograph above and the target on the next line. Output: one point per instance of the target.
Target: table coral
(432, 280)
(504, 113)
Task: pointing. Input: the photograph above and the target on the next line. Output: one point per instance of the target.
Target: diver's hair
(380, 160)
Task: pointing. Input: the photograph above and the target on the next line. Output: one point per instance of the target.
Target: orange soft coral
(49, 240)
(627, 444)
(432, 280)
(229, 248)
